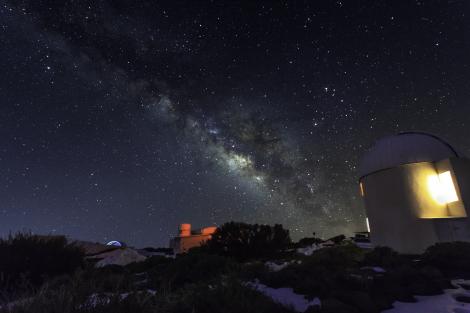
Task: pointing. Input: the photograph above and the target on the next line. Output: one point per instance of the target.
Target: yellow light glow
(367, 224)
(442, 188)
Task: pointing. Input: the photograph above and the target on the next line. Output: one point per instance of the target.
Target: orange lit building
(188, 238)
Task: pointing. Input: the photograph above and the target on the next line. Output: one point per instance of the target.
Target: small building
(188, 238)
(416, 189)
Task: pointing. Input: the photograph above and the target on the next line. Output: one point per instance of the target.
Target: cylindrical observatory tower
(416, 190)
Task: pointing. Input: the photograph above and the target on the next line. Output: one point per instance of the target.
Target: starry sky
(120, 119)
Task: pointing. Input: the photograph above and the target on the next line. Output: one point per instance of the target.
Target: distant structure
(116, 243)
(188, 238)
(415, 188)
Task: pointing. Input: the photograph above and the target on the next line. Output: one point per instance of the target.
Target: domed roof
(404, 148)
(116, 243)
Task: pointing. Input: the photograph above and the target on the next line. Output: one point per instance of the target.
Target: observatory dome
(404, 148)
(116, 243)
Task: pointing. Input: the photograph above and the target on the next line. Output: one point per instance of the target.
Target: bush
(246, 241)
(385, 257)
(191, 268)
(332, 305)
(337, 239)
(149, 264)
(358, 301)
(25, 257)
(135, 303)
(227, 297)
(223, 296)
(105, 279)
(320, 274)
(308, 241)
(336, 258)
(452, 258)
(69, 300)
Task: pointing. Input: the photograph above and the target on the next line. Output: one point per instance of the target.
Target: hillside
(312, 275)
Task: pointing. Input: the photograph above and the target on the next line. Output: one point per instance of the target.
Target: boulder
(120, 257)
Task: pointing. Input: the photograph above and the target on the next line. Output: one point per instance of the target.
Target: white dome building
(115, 243)
(415, 186)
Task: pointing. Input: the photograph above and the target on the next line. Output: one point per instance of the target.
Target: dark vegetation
(26, 261)
(453, 258)
(213, 278)
(248, 241)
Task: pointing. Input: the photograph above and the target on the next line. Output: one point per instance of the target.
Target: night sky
(120, 119)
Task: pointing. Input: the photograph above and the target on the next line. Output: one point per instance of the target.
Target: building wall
(461, 167)
(393, 209)
(456, 209)
(460, 228)
(403, 213)
(188, 239)
(183, 244)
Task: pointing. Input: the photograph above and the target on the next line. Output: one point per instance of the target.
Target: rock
(120, 257)
(92, 248)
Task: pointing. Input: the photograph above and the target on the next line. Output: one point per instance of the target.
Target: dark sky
(120, 119)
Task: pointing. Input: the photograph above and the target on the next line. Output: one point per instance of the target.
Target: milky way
(122, 119)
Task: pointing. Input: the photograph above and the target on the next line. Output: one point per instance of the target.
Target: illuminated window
(442, 188)
(367, 224)
(361, 189)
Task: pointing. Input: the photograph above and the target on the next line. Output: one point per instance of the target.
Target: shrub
(223, 296)
(319, 274)
(69, 300)
(332, 305)
(246, 241)
(59, 301)
(191, 268)
(34, 258)
(134, 302)
(336, 258)
(337, 239)
(150, 263)
(452, 258)
(106, 279)
(385, 257)
(358, 301)
(227, 297)
(254, 270)
(308, 241)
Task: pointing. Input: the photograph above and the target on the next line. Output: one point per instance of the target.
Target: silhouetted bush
(70, 300)
(35, 258)
(308, 241)
(246, 241)
(451, 257)
(405, 282)
(355, 300)
(227, 297)
(148, 264)
(333, 305)
(199, 281)
(106, 279)
(319, 274)
(192, 268)
(385, 257)
(336, 258)
(337, 239)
